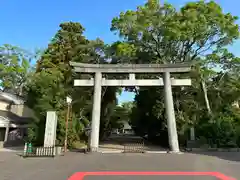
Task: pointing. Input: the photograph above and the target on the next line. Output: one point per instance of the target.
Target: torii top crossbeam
(130, 68)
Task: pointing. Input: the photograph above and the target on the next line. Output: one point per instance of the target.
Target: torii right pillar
(171, 120)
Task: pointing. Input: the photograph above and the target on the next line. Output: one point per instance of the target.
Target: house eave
(11, 98)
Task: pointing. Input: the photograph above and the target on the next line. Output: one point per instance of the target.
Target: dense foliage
(198, 33)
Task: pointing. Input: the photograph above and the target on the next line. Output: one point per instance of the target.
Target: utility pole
(69, 101)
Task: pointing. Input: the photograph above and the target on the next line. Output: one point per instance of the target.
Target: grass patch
(79, 145)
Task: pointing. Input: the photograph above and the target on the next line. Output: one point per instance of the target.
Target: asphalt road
(13, 167)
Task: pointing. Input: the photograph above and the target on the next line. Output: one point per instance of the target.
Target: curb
(111, 152)
(156, 152)
(146, 152)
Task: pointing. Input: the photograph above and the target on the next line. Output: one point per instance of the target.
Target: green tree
(53, 79)
(14, 69)
(197, 33)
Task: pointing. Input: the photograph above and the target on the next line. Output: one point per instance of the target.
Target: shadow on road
(12, 149)
(230, 156)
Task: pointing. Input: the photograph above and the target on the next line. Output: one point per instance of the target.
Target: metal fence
(30, 151)
(134, 146)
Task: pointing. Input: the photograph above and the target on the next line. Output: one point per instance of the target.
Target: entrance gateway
(98, 81)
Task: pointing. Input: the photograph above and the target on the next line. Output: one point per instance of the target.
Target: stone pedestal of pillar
(1, 144)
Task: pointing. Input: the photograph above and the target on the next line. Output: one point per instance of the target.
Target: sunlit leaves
(14, 68)
(199, 33)
(197, 29)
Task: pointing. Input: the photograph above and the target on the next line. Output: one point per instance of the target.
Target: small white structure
(236, 104)
(127, 129)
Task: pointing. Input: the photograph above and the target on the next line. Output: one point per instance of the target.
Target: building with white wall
(15, 117)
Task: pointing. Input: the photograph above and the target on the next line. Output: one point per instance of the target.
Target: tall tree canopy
(14, 68)
(52, 82)
(197, 33)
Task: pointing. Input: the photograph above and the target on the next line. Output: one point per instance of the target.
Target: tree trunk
(204, 88)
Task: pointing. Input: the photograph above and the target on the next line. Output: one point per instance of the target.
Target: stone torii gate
(98, 81)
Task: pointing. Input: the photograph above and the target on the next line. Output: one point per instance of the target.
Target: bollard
(25, 149)
(37, 152)
(54, 151)
(29, 148)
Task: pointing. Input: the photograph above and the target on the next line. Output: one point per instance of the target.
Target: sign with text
(50, 129)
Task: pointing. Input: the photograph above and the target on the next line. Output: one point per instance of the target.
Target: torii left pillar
(96, 112)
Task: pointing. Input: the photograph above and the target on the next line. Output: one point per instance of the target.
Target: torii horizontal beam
(132, 82)
(130, 68)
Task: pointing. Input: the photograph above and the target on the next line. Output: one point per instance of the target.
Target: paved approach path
(13, 167)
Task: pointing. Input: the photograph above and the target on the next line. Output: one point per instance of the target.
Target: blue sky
(31, 24)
